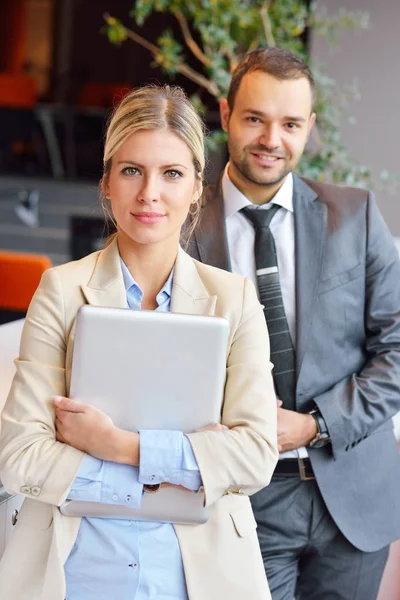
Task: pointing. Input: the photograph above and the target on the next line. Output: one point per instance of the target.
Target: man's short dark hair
(280, 63)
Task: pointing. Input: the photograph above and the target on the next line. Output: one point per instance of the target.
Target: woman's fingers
(68, 404)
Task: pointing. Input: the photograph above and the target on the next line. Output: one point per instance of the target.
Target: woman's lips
(148, 218)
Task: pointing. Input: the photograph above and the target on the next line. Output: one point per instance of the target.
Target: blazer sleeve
(357, 405)
(242, 458)
(32, 462)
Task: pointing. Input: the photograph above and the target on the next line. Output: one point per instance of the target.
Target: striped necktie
(282, 351)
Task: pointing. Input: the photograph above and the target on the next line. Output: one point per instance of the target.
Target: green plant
(218, 32)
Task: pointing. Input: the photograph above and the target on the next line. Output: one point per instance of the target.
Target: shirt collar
(129, 281)
(234, 200)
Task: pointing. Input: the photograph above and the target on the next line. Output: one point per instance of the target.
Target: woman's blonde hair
(156, 107)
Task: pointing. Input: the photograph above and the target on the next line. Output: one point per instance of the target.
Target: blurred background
(65, 63)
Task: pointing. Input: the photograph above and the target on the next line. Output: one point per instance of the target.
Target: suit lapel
(189, 295)
(106, 284)
(210, 234)
(310, 235)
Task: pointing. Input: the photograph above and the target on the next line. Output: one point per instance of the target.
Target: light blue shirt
(122, 559)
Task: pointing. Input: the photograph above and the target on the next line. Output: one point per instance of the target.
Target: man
(328, 275)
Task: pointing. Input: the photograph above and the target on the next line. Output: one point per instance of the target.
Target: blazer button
(25, 489)
(35, 491)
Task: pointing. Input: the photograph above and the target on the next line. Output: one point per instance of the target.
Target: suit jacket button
(25, 489)
(35, 491)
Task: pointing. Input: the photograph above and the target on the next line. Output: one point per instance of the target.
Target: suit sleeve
(357, 405)
(243, 457)
(32, 462)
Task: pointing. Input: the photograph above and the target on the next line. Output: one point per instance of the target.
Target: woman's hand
(87, 428)
(84, 427)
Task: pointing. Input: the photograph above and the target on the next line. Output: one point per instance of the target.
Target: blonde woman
(53, 448)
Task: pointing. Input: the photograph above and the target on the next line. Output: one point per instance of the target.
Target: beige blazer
(221, 558)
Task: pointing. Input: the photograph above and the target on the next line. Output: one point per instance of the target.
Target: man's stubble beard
(243, 167)
(247, 173)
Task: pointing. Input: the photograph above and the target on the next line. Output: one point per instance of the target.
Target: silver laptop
(150, 370)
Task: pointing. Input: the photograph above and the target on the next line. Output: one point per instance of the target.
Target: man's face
(267, 129)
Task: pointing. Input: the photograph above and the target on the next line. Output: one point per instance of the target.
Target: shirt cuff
(167, 456)
(107, 482)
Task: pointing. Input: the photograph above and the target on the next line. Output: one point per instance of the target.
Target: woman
(53, 448)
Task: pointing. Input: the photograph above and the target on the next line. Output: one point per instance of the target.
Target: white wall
(373, 58)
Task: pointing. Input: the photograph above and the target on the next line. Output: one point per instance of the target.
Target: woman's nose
(149, 192)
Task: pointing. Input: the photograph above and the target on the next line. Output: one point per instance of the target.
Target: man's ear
(224, 112)
(311, 122)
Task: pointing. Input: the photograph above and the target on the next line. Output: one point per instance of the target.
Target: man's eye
(130, 171)
(253, 119)
(292, 126)
(173, 174)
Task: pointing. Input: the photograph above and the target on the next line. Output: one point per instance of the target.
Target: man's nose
(270, 137)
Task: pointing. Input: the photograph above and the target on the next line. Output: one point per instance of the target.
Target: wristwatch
(151, 488)
(322, 438)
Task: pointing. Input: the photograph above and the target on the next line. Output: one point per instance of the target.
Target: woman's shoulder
(75, 270)
(218, 274)
(218, 281)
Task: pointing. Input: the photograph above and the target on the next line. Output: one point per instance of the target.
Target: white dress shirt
(241, 236)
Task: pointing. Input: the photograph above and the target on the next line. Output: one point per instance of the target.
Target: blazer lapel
(106, 284)
(310, 235)
(210, 234)
(189, 294)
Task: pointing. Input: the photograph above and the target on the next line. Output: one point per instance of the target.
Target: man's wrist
(322, 435)
(311, 428)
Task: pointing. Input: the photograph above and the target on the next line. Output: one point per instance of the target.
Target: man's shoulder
(213, 192)
(333, 194)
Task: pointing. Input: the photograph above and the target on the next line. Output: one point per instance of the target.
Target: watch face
(321, 440)
(151, 488)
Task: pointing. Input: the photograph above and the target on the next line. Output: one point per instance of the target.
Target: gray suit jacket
(347, 350)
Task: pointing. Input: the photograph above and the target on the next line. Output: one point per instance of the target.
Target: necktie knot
(260, 218)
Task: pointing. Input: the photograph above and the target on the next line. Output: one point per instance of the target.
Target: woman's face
(151, 185)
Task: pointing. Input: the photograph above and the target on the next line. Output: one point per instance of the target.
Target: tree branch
(192, 45)
(132, 35)
(193, 75)
(266, 21)
(182, 68)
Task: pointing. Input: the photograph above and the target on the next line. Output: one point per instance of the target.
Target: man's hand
(294, 429)
(87, 428)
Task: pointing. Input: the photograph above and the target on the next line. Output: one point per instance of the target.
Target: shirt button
(35, 490)
(152, 477)
(128, 498)
(115, 496)
(133, 565)
(25, 489)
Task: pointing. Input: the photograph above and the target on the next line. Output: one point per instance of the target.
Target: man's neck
(257, 194)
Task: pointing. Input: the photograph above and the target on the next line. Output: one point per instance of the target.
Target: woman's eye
(130, 171)
(173, 174)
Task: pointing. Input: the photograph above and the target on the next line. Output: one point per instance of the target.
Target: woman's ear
(198, 192)
(105, 188)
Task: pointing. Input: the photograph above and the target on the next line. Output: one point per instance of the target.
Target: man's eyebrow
(136, 164)
(260, 113)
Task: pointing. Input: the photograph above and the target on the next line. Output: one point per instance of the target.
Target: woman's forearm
(124, 447)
